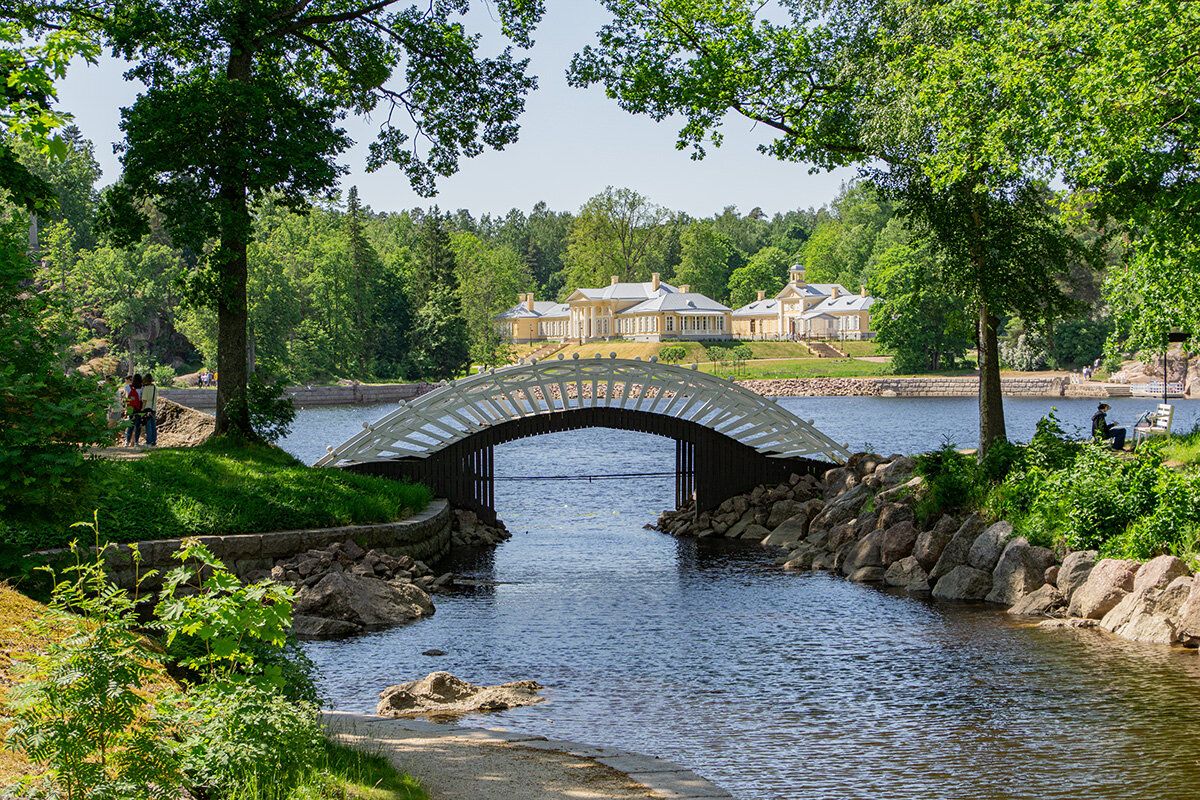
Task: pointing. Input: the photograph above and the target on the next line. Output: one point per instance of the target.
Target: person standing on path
(149, 407)
(133, 408)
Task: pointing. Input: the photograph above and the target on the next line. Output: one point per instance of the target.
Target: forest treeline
(343, 291)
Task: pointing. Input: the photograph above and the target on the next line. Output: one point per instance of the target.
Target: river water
(777, 684)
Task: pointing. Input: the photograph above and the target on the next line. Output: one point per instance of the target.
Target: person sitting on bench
(1102, 429)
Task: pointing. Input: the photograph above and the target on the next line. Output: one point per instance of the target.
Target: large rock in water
(898, 541)
(1150, 614)
(930, 544)
(442, 693)
(365, 602)
(905, 572)
(1043, 602)
(1107, 584)
(863, 553)
(789, 532)
(955, 553)
(1020, 570)
(963, 583)
(1157, 573)
(988, 546)
(1075, 570)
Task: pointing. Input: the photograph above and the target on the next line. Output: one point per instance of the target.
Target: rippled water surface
(774, 684)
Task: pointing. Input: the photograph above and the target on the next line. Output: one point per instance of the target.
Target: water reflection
(776, 684)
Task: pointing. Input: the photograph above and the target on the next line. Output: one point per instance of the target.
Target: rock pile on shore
(859, 521)
(441, 693)
(815, 387)
(343, 589)
(466, 530)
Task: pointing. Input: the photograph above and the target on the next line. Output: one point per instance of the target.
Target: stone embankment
(858, 521)
(348, 394)
(967, 386)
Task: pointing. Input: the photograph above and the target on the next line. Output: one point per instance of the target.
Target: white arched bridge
(728, 439)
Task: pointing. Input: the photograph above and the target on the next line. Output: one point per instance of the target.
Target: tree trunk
(991, 399)
(233, 317)
(233, 415)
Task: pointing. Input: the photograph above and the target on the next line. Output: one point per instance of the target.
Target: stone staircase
(543, 352)
(824, 350)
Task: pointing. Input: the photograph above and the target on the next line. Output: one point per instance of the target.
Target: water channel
(775, 684)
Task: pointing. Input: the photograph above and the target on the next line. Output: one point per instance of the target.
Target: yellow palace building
(652, 311)
(805, 310)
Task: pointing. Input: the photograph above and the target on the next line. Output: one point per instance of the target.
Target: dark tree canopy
(244, 101)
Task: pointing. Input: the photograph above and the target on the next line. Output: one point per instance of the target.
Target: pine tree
(441, 348)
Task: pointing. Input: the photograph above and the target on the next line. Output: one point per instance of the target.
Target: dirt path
(472, 764)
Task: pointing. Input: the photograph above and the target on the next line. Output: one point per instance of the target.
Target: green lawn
(799, 368)
(218, 489)
(864, 348)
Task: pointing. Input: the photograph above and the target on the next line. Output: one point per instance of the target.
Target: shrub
(271, 409)
(79, 712)
(672, 353)
(951, 481)
(47, 418)
(743, 352)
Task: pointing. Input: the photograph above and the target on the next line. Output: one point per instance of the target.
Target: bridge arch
(728, 439)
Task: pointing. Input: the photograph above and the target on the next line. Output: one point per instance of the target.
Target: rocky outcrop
(907, 572)
(1075, 570)
(1046, 601)
(1107, 584)
(440, 693)
(858, 520)
(342, 589)
(364, 602)
(963, 583)
(1151, 613)
(467, 530)
(1021, 569)
(956, 551)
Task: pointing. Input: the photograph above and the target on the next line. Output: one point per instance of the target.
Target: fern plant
(78, 714)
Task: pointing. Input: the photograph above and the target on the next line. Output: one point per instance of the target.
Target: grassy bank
(1077, 495)
(29, 628)
(216, 489)
(799, 368)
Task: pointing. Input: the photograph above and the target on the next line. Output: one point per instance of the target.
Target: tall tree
(33, 54)
(767, 270)
(704, 263)
(617, 233)
(838, 85)
(440, 341)
(243, 101)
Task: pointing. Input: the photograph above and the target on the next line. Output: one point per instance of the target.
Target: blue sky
(573, 144)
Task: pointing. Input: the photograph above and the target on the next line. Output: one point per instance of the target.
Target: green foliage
(951, 481)
(743, 352)
(617, 232)
(202, 600)
(705, 260)
(46, 416)
(222, 487)
(270, 408)
(78, 712)
(766, 271)
(245, 739)
(672, 353)
(924, 326)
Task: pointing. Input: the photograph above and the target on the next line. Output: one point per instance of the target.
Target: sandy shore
(473, 764)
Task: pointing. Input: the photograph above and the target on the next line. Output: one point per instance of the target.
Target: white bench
(1157, 424)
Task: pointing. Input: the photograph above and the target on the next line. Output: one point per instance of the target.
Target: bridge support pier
(709, 466)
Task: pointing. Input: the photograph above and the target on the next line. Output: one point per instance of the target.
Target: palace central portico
(651, 311)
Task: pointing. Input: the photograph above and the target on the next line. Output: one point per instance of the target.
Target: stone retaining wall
(966, 386)
(425, 536)
(305, 396)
